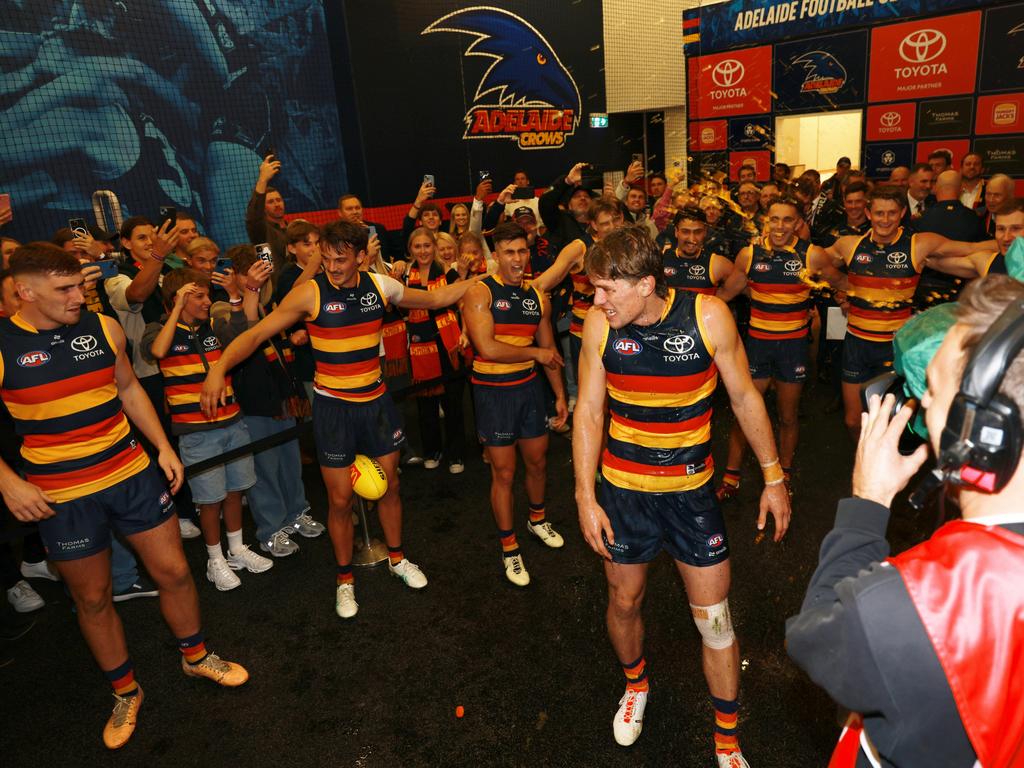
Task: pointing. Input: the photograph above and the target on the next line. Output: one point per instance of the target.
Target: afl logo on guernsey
(34, 359)
(179, 348)
(334, 307)
(716, 541)
(762, 266)
(679, 345)
(896, 259)
(628, 347)
(670, 271)
(502, 305)
(863, 258)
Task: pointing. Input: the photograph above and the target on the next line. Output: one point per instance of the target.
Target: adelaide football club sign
(934, 57)
(526, 94)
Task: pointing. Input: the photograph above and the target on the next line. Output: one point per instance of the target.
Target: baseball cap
(102, 234)
(523, 210)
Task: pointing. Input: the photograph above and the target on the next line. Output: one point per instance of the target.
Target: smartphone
(523, 193)
(223, 265)
(485, 175)
(373, 231)
(108, 268)
(167, 213)
(428, 179)
(270, 154)
(637, 157)
(5, 201)
(264, 252)
(79, 227)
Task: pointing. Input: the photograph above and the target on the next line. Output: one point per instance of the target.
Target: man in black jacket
(925, 647)
(563, 208)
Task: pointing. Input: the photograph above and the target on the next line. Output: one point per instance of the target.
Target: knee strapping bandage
(715, 624)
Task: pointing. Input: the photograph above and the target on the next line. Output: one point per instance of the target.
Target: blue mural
(164, 102)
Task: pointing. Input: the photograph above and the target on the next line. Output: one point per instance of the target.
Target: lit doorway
(817, 141)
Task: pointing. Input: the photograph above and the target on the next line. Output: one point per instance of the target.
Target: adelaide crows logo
(526, 94)
(825, 74)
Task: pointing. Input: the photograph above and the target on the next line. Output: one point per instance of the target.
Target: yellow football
(368, 478)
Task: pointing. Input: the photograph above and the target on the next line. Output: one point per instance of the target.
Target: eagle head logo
(526, 94)
(824, 73)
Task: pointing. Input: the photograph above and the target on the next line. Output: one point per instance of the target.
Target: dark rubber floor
(532, 667)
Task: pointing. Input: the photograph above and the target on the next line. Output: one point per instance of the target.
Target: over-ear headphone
(981, 442)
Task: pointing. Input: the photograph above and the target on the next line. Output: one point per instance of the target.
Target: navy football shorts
(343, 429)
(507, 414)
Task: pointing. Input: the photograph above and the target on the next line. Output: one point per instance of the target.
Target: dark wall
(412, 91)
(165, 102)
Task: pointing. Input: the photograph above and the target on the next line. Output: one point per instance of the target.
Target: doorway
(817, 141)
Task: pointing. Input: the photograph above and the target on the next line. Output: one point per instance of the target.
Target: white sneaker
(515, 570)
(189, 530)
(408, 572)
(345, 601)
(456, 466)
(249, 560)
(732, 760)
(218, 572)
(41, 570)
(305, 525)
(279, 545)
(24, 598)
(547, 534)
(629, 720)
(571, 404)
(432, 462)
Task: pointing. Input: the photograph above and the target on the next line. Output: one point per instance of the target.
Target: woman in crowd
(434, 338)
(459, 224)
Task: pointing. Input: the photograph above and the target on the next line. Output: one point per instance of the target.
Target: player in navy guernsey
(68, 385)
(509, 324)
(884, 267)
(655, 353)
(343, 309)
(780, 307)
(690, 265)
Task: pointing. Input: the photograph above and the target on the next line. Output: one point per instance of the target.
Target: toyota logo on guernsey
(334, 307)
(34, 359)
(896, 260)
(794, 265)
(627, 347)
(680, 347)
(890, 119)
(83, 343)
(919, 50)
(369, 302)
(86, 347)
(697, 270)
(727, 75)
(529, 305)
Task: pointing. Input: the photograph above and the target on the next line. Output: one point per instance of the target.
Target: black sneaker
(142, 587)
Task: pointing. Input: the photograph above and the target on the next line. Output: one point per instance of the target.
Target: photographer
(924, 647)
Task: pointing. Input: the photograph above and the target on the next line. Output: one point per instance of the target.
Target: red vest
(967, 584)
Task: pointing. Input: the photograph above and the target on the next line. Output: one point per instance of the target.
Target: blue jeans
(278, 496)
(123, 567)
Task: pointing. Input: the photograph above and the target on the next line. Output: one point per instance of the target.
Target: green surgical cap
(914, 346)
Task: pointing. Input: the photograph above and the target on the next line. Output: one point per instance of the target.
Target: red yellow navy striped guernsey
(695, 274)
(60, 389)
(193, 352)
(883, 279)
(345, 333)
(661, 379)
(517, 311)
(582, 293)
(780, 301)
